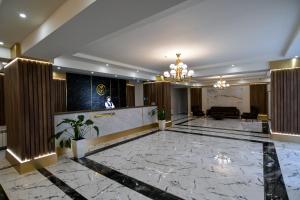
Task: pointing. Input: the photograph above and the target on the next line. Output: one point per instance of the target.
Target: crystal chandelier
(221, 84)
(178, 72)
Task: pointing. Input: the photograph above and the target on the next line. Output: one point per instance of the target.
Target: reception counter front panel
(111, 121)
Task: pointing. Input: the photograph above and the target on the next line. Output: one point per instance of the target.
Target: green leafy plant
(80, 128)
(161, 113)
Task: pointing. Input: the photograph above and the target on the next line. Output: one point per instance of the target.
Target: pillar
(29, 113)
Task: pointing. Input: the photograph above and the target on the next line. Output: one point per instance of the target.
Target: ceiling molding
(103, 60)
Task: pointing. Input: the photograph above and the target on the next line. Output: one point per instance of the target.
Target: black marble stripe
(216, 136)
(119, 143)
(228, 129)
(3, 195)
(132, 183)
(73, 194)
(188, 120)
(198, 129)
(182, 124)
(3, 148)
(274, 183)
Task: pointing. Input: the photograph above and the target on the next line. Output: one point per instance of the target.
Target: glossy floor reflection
(194, 159)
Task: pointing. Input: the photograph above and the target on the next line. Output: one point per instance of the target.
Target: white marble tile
(32, 185)
(289, 160)
(235, 124)
(190, 166)
(91, 184)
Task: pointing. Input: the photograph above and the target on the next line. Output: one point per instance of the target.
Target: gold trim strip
(105, 115)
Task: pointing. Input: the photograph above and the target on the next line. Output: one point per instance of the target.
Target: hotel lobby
(137, 99)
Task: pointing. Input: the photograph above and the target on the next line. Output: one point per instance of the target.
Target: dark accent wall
(78, 92)
(59, 95)
(196, 99)
(130, 96)
(82, 93)
(285, 92)
(259, 98)
(2, 118)
(158, 93)
(28, 108)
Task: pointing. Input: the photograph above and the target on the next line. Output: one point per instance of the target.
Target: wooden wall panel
(29, 108)
(158, 93)
(2, 118)
(59, 95)
(285, 92)
(196, 97)
(259, 97)
(130, 96)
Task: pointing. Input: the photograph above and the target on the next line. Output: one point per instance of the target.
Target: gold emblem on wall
(100, 89)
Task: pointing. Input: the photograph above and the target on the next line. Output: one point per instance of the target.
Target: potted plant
(75, 139)
(161, 115)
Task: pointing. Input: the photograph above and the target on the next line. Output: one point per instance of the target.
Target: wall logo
(100, 89)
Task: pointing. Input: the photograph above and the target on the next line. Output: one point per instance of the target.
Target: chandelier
(178, 72)
(221, 84)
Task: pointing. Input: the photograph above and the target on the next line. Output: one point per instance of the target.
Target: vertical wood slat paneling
(2, 116)
(160, 94)
(259, 97)
(285, 91)
(59, 95)
(196, 97)
(130, 96)
(29, 109)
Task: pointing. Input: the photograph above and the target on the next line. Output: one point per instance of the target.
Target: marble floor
(196, 158)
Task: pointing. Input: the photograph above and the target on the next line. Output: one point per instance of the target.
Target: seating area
(219, 112)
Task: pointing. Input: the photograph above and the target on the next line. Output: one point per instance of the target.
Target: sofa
(227, 112)
(197, 111)
(252, 114)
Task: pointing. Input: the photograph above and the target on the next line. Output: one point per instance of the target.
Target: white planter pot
(162, 124)
(79, 148)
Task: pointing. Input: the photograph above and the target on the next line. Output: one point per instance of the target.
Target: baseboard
(285, 137)
(30, 165)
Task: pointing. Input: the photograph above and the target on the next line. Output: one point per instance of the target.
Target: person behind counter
(108, 103)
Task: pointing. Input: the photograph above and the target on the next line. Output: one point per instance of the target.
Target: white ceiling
(208, 33)
(15, 29)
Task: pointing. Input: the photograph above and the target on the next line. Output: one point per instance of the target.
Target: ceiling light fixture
(58, 68)
(22, 15)
(296, 56)
(137, 71)
(1, 43)
(232, 65)
(107, 65)
(178, 72)
(221, 84)
(92, 72)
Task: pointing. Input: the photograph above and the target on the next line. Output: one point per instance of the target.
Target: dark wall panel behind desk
(78, 92)
(99, 100)
(82, 92)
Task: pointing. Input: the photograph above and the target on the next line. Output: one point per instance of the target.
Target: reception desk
(117, 121)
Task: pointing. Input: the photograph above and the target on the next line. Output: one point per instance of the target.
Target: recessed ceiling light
(296, 56)
(137, 71)
(58, 68)
(232, 65)
(116, 75)
(92, 72)
(107, 65)
(1, 43)
(22, 15)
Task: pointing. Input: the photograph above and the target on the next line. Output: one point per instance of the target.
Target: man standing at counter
(109, 104)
